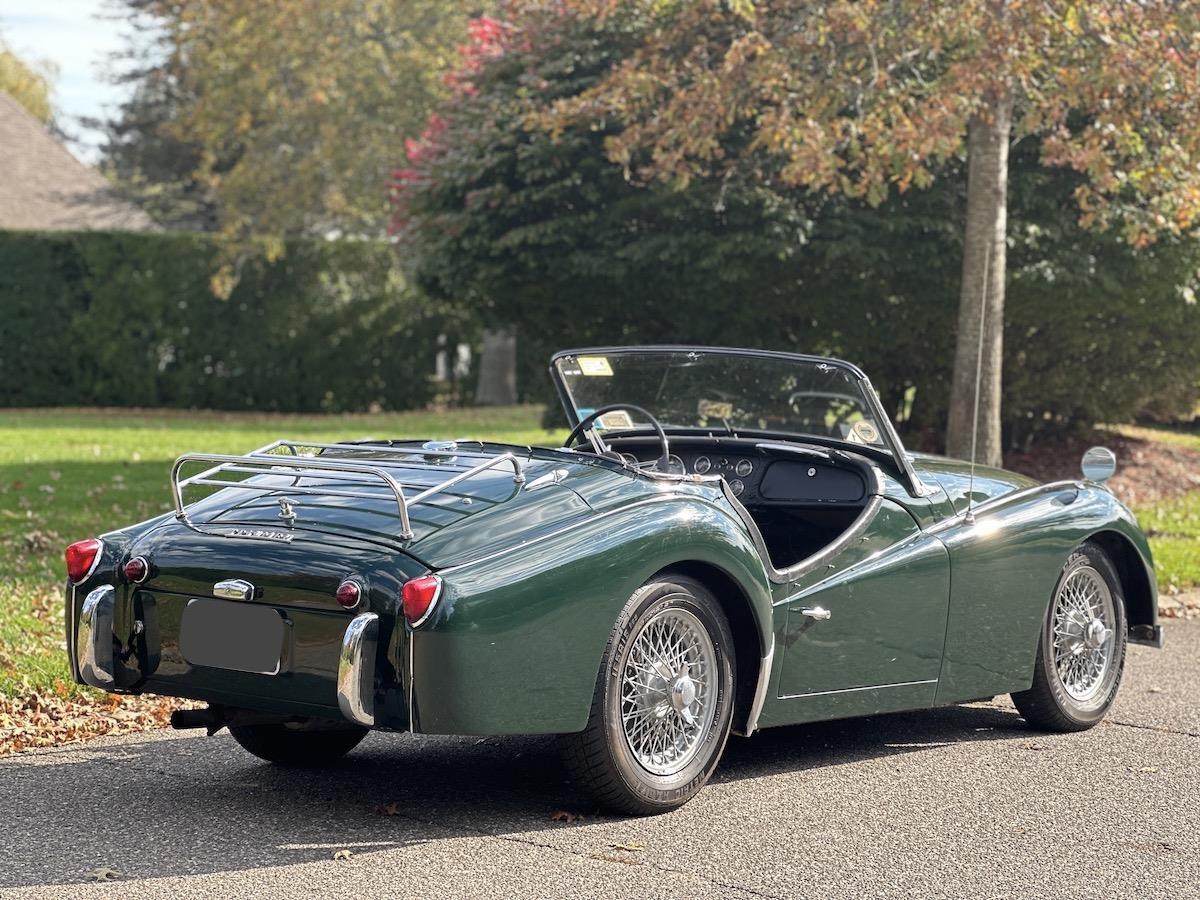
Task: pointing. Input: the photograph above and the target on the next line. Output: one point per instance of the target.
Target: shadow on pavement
(197, 805)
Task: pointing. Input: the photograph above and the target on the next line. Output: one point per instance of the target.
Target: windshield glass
(723, 391)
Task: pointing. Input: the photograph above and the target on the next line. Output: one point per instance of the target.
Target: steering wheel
(663, 464)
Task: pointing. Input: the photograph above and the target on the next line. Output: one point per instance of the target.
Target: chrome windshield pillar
(356, 670)
(94, 638)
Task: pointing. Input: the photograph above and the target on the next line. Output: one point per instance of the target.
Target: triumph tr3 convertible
(730, 540)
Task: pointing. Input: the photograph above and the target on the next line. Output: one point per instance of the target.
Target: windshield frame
(893, 447)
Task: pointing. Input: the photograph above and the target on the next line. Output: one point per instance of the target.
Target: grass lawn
(72, 474)
(1173, 524)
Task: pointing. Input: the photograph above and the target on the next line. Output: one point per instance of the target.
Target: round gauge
(701, 465)
(675, 465)
(737, 487)
(630, 460)
(744, 467)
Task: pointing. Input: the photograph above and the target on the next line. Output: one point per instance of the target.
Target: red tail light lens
(136, 570)
(349, 594)
(419, 596)
(81, 557)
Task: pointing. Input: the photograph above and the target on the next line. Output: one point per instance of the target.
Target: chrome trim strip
(263, 462)
(1052, 487)
(72, 657)
(94, 639)
(872, 687)
(356, 670)
(760, 690)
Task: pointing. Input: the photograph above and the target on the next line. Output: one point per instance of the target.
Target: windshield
(723, 391)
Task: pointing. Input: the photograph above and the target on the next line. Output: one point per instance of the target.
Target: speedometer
(675, 465)
(701, 465)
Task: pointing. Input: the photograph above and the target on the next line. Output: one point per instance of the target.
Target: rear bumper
(356, 670)
(330, 667)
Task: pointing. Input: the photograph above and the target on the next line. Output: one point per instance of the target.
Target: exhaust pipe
(212, 719)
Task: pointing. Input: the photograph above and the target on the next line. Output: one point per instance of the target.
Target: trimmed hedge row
(130, 320)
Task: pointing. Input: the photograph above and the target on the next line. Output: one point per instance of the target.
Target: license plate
(225, 635)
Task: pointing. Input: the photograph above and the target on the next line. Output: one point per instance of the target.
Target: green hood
(954, 476)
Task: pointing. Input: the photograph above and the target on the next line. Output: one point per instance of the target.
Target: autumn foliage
(861, 96)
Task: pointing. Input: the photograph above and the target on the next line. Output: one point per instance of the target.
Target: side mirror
(1099, 464)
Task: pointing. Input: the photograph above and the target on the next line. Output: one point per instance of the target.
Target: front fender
(1004, 566)
(518, 640)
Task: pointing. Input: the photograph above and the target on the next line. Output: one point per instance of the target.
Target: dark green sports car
(730, 540)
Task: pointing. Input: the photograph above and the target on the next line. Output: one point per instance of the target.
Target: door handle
(816, 612)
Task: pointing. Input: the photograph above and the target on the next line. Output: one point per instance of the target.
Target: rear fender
(517, 643)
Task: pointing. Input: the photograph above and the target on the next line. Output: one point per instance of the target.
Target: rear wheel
(289, 745)
(1081, 653)
(663, 702)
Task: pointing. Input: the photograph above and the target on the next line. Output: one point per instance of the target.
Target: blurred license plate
(224, 635)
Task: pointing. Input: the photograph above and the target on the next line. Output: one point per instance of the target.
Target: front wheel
(1081, 653)
(663, 703)
(288, 745)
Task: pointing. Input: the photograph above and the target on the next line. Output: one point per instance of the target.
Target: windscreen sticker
(715, 409)
(594, 365)
(863, 432)
(617, 419)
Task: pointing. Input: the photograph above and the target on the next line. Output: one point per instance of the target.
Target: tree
(861, 96)
(283, 116)
(26, 84)
(492, 213)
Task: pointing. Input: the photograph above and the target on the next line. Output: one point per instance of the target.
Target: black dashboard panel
(762, 475)
(792, 481)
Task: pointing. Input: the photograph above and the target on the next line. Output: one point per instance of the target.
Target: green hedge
(129, 320)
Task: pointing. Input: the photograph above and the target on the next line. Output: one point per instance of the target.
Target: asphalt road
(960, 802)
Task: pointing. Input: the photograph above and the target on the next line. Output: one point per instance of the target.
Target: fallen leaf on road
(391, 808)
(1155, 690)
(1034, 746)
(342, 854)
(561, 815)
(1144, 770)
(104, 873)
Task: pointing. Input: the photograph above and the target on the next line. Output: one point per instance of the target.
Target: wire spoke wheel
(1083, 634)
(667, 700)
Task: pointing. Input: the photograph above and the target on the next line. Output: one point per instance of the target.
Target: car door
(864, 624)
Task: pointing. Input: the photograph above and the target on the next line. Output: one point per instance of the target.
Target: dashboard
(760, 474)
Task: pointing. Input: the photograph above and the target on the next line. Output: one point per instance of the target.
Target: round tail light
(136, 570)
(81, 558)
(419, 596)
(349, 594)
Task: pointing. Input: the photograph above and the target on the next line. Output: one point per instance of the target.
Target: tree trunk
(981, 299)
(497, 384)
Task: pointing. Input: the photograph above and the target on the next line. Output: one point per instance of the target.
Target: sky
(78, 40)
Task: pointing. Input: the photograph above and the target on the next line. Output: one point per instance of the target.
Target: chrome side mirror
(1099, 464)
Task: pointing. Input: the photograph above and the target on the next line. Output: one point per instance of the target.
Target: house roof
(43, 187)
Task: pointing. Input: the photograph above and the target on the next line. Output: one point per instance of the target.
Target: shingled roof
(44, 188)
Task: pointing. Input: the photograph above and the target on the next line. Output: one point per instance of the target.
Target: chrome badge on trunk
(261, 534)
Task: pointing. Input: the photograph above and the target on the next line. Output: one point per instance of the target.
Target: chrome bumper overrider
(356, 670)
(94, 637)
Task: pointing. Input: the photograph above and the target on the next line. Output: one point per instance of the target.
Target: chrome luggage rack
(297, 464)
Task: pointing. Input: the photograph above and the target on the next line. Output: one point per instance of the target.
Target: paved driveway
(961, 802)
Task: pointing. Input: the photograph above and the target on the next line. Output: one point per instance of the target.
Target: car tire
(297, 747)
(663, 703)
(1078, 669)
